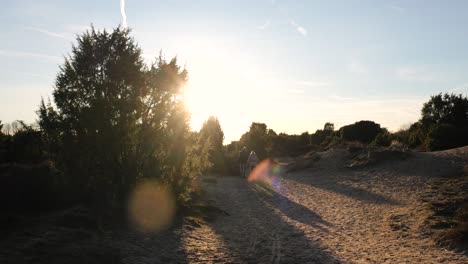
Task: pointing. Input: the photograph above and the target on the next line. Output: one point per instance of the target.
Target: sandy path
(324, 215)
(315, 225)
(258, 231)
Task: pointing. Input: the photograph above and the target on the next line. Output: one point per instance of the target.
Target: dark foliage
(117, 121)
(290, 145)
(23, 144)
(231, 154)
(383, 139)
(412, 137)
(29, 187)
(323, 136)
(212, 134)
(444, 121)
(446, 109)
(257, 139)
(362, 131)
(443, 124)
(446, 136)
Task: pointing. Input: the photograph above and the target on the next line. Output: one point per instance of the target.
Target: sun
(205, 97)
(222, 84)
(202, 101)
(196, 105)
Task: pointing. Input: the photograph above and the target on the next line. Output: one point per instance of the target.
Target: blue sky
(291, 64)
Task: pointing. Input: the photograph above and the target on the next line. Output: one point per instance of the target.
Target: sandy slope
(328, 214)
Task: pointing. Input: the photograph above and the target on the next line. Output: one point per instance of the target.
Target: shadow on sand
(333, 183)
(289, 208)
(73, 236)
(257, 230)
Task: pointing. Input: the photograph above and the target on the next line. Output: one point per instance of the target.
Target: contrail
(122, 11)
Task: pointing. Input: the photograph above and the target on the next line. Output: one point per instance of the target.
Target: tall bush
(116, 120)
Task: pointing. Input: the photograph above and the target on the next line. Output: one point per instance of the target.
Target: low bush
(383, 139)
(445, 136)
(29, 188)
(362, 131)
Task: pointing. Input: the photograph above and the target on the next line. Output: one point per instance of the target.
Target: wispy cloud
(299, 28)
(357, 67)
(122, 12)
(397, 9)
(49, 33)
(28, 55)
(265, 25)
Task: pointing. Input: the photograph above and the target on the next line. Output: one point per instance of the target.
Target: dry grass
(370, 156)
(303, 162)
(398, 145)
(448, 203)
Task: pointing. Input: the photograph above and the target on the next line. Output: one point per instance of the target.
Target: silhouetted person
(252, 161)
(243, 156)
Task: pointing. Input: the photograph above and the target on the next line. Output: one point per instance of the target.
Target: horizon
(328, 62)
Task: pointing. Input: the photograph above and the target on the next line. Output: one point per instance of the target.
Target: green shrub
(383, 139)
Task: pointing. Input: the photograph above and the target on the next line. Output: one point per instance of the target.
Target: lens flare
(266, 172)
(151, 207)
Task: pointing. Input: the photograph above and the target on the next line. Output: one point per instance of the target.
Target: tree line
(443, 125)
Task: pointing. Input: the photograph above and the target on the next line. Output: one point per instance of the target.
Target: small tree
(304, 139)
(256, 139)
(445, 109)
(329, 126)
(444, 122)
(211, 133)
(320, 136)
